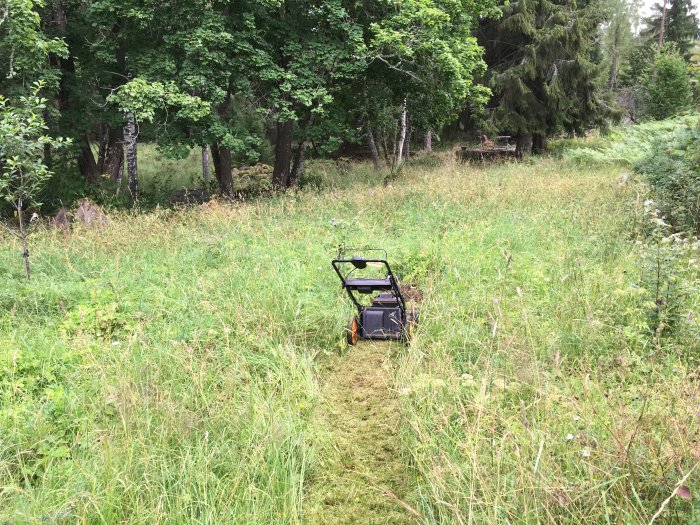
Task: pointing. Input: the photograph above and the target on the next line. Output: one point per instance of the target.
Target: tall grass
(164, 371)
(623, 146)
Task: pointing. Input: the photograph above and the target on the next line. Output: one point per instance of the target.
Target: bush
(667, 90)
(673, 170)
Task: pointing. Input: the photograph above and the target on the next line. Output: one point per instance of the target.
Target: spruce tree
(543, 60)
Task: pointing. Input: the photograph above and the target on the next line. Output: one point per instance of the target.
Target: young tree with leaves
(667, 87)
(23, 173)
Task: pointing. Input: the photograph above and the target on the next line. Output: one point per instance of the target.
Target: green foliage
(667, 87)
(148, 99)
(102, 317)
(667, 273)
(622, 146)
(617, 40)
(23, 138)
(543, 68)
(24, 48)
(639, 65)
(430, 45)
(672, 167)
(680, 26)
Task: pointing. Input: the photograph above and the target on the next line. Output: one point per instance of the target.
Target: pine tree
(680, 26)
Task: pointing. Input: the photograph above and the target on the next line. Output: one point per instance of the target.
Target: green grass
(623, 146)
(167, 370)
(160, 177)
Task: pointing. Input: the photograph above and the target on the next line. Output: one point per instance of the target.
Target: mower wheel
(352, 334)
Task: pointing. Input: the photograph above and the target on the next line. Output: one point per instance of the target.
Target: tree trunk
(407, 142)
(102, 148)
(223, 168)
(206, 169)
(524, 144)
(402, 134)
(23, 237)
(132, 166)
(614, 66)
(298, 164)
(64, 101)
(86, 161)
(428, 141)
(372, 147)
(385, 149)
(48, 156)
(223, 163)
(114, 158)
(283, 154)
(300, 154)
(663, 26)
(539, 143)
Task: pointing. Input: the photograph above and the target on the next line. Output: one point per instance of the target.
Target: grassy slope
(165, 370)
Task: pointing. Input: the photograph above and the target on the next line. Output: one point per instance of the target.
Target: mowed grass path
(168, 369)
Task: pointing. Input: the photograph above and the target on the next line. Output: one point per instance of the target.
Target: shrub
(667, 90)
(624, 146)
(673, 170)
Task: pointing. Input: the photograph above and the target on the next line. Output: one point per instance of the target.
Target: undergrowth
(622, 146)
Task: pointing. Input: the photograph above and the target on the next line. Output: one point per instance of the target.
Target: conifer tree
(680, 26)
(543, 68)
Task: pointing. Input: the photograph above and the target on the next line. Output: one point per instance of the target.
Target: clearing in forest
(188, 366)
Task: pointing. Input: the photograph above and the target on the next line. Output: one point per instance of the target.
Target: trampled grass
(167, 369)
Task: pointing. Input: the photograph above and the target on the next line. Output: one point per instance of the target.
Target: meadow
(184, 365)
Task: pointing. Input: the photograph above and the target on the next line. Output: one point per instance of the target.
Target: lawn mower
(376, 293)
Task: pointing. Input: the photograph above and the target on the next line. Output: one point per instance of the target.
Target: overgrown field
(166, 370)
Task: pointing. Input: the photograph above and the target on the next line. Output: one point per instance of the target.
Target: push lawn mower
(384, 315)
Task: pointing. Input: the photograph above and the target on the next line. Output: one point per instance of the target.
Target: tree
(421, 62)
(24, 48)
(680, 26)
(667, 87)
(23, 173)
(316, 47)
(145, 101)
(543, 69)
(618, 39)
